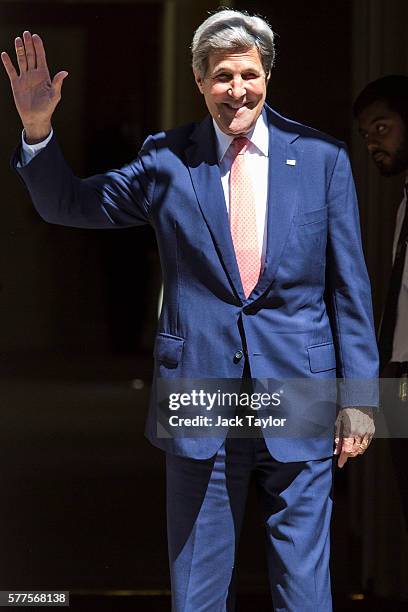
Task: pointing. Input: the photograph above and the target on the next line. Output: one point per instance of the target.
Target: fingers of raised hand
(30, 55)
(39, 51)
(21, 54)
(29, 50)
(8, 65)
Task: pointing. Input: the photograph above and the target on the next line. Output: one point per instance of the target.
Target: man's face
(234, 89)
(385, 135)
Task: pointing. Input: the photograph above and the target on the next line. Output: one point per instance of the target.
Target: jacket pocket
(318, 215)
(322, 357)
(168, 349)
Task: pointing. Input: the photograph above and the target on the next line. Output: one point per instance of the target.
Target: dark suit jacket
(309, 317)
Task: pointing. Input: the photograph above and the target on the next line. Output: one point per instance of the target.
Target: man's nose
(372, 144)
(237, 89)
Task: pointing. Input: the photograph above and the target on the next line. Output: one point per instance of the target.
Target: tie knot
(240, 145)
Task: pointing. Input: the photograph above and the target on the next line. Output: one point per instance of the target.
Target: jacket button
(238, 355)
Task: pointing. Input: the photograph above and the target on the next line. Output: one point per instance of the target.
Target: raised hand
(35, 95)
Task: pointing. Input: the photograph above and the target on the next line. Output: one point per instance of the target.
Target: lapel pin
(291, 162)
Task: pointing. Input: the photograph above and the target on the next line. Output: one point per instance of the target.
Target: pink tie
(243, 218)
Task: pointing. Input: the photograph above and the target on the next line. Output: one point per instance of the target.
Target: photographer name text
(235, 421)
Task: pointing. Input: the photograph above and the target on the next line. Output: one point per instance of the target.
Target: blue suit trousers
(205, 509)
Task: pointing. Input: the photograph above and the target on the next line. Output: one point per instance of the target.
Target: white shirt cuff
(29, 151)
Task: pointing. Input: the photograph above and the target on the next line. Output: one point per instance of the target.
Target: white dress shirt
(258, 162)
(400, 342)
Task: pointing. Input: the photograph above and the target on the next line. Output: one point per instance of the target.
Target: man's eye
(224, 77)
(381, 128)
(250, 75)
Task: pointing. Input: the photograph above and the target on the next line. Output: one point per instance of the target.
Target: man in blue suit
(264, 278)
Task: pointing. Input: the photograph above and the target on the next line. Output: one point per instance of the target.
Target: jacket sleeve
(349, 292)
(119, 198)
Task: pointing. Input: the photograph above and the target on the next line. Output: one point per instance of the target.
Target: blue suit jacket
(309, 316)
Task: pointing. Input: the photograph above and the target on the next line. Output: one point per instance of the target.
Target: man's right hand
(35, 95)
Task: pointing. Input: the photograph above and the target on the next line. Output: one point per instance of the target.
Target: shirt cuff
(29, 151)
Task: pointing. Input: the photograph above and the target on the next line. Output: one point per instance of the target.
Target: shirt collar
(259, 136)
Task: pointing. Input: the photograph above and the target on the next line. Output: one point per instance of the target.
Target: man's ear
(199, 81)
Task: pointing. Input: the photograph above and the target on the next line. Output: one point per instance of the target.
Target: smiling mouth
(379, 156)
(234, 108)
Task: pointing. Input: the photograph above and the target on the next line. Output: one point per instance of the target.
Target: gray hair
(229, 30)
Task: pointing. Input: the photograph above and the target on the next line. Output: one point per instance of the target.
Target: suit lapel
(283, 190)
(205, 174)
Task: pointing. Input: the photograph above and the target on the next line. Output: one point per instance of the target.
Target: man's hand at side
(35, 95)
(354, 430)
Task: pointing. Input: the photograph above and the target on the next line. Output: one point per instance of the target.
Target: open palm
(35, 95)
